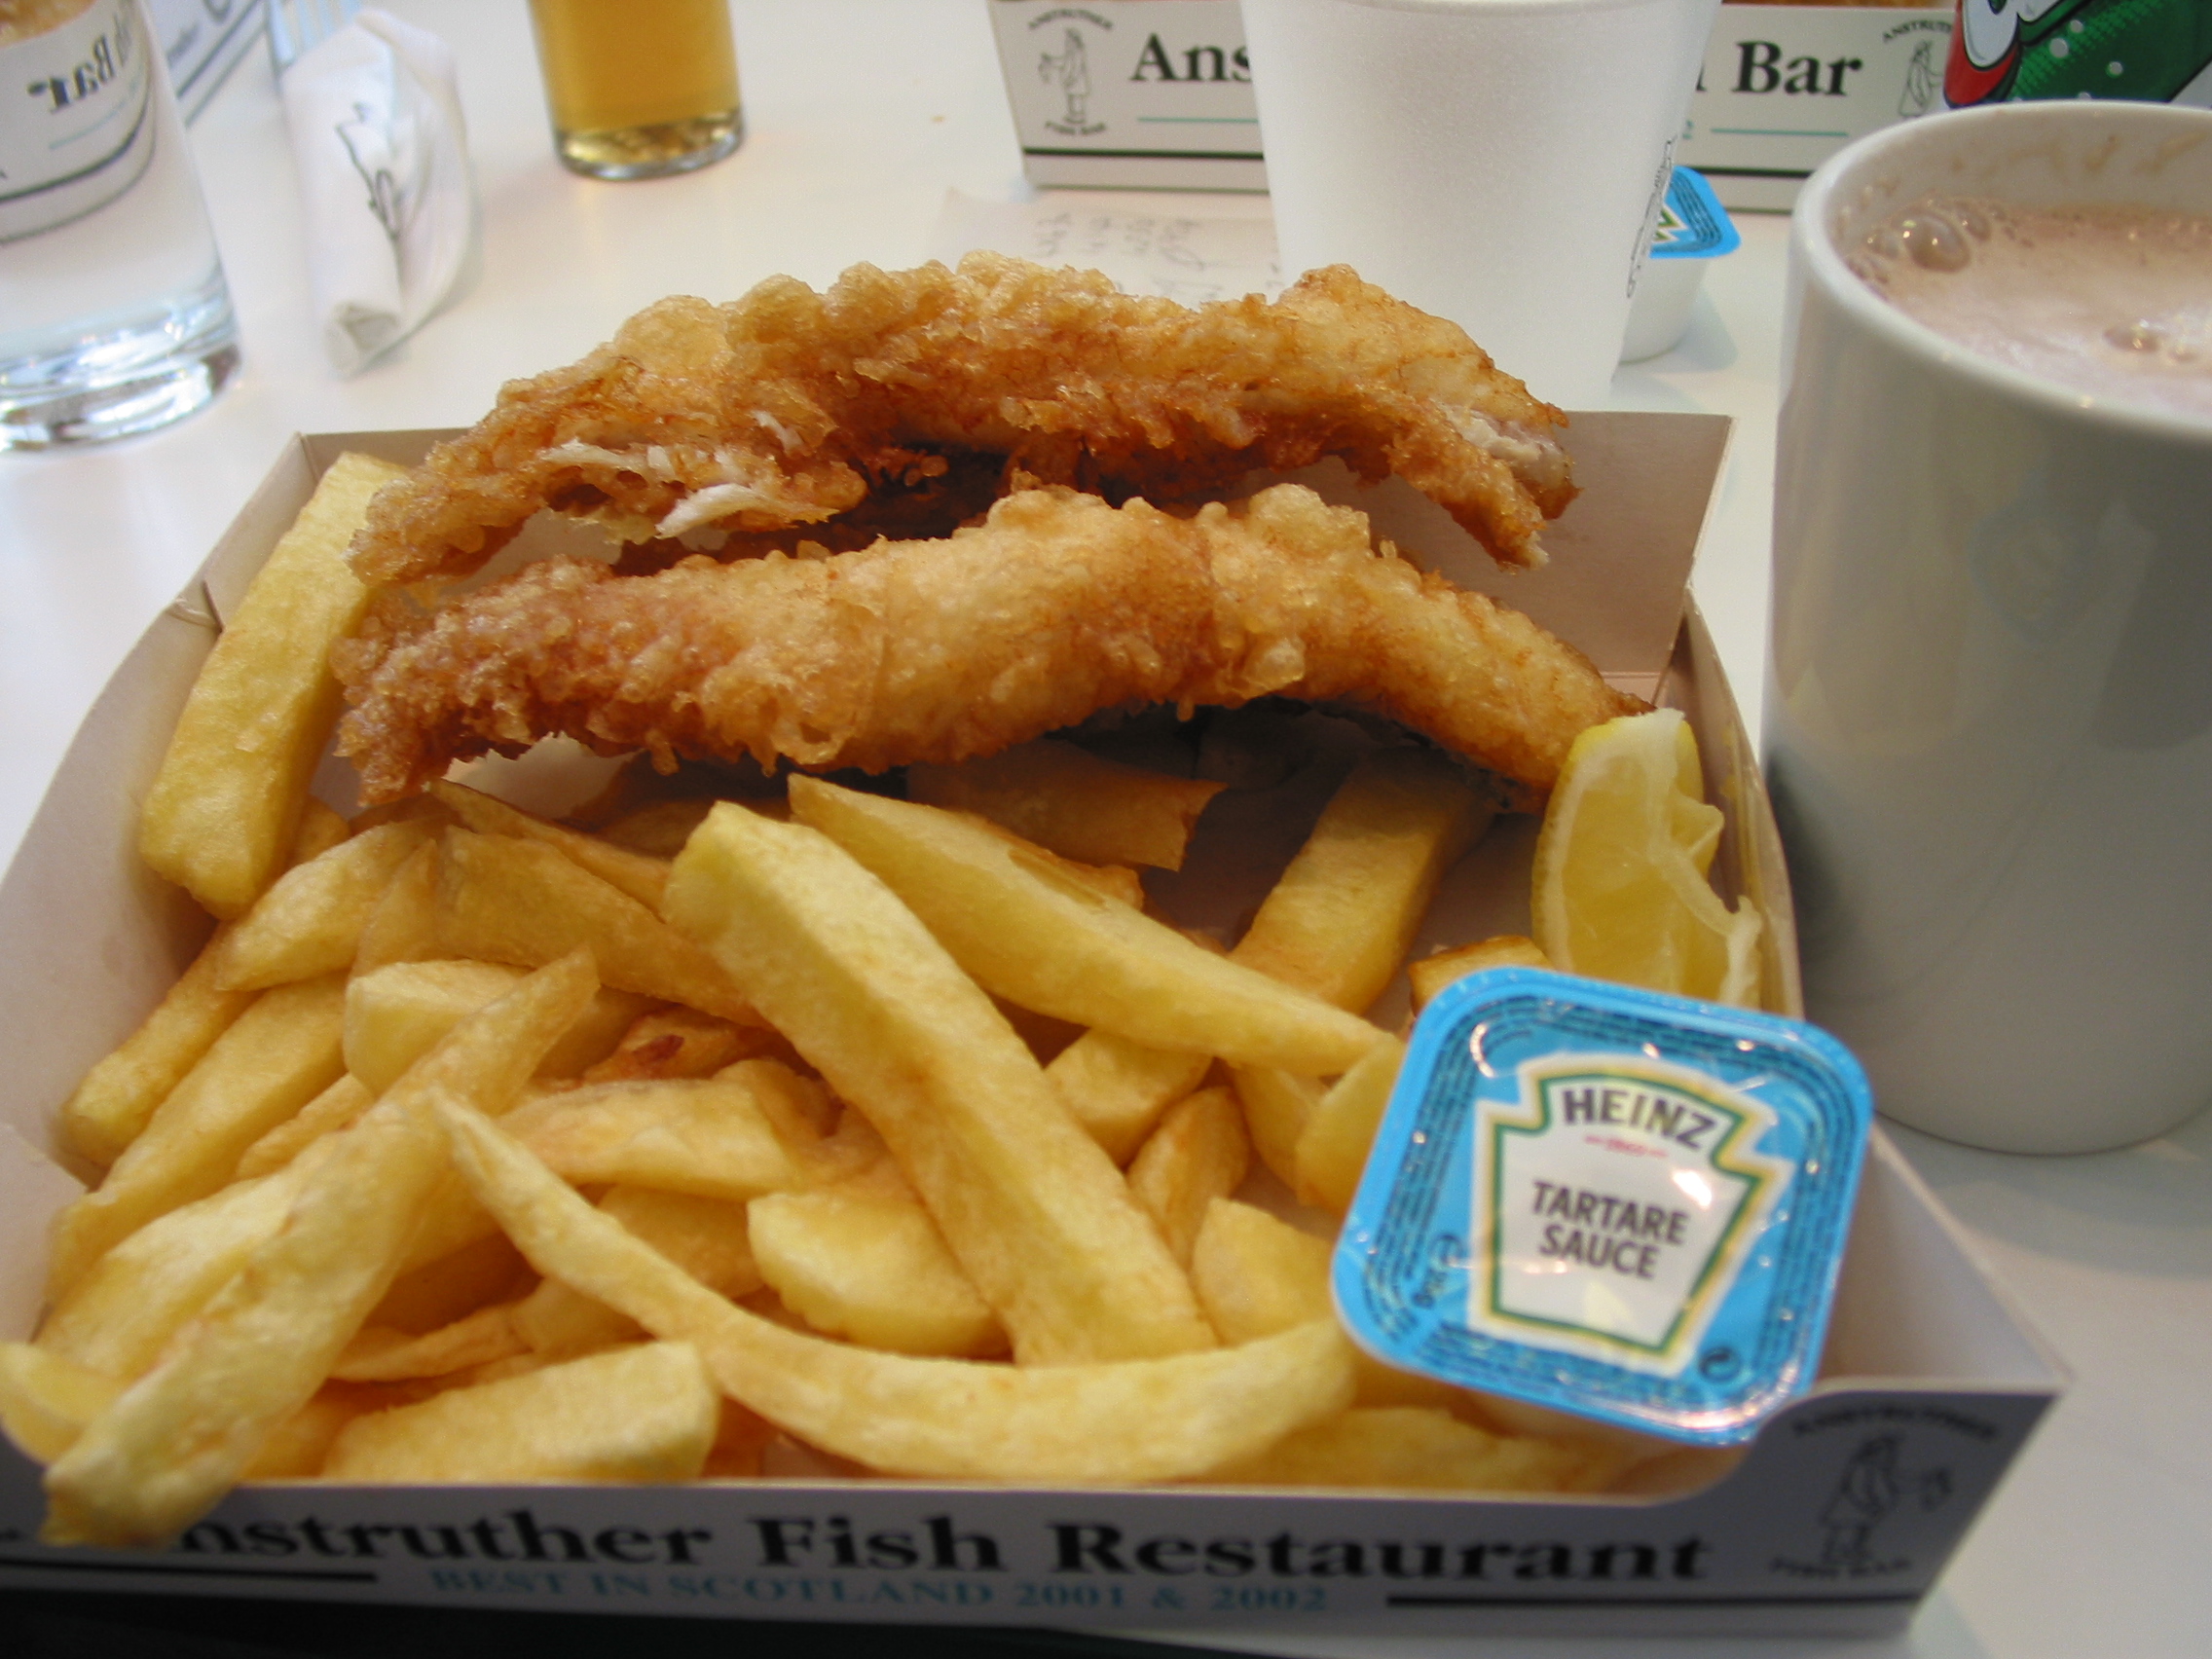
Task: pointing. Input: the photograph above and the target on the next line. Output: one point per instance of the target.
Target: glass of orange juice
(638, 88)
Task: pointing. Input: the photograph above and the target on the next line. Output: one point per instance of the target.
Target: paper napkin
(376, 128)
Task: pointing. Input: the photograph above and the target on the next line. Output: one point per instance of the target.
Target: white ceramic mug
(1989, 702)
(1499, 163)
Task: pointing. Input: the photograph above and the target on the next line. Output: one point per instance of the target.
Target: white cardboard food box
(1836, 1519)
(1784, 87)
(1131, 94)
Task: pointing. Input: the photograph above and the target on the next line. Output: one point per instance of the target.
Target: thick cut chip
(310, 922)
(1028, 934)
(557, 1321)
(1039, 1217)
(850, 1147)
(1431, 974)
(1332, 1153)
(1116, 1087)
(454, 1284)
(647, 1413)
(276, 1057)
(862, 1260)
(1257, 1275)
(741, 1444)
(1342, 917)
(379, 1354)
(501, 899)
(452, 1221)
(338, 1107)
(297, 1446)
(708, 1136)
(706, 1238)
(120, 1094)
(1114, 881)
(45, 1400)
(1335, 924)
(1278, 1108)
(321, 828)
(1200, 1153)
(183, 1433)
(807, 1119)
(677, 1042)
(404, 925)
(396, 1014)
(119, 1316)
(1418, 1447)
(224, 807)
(1116, 1423)
(642, 879)
(1078, 804)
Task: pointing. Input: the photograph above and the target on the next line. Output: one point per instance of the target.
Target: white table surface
(860, 115)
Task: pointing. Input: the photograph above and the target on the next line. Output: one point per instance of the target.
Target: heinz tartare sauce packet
(1608, 1201)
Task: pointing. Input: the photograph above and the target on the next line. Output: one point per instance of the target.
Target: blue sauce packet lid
(1607, 1201)
(1692, 223)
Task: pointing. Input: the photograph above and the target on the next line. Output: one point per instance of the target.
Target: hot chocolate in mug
(1990, 701)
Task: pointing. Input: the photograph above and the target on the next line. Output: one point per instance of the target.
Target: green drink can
(2155, 51)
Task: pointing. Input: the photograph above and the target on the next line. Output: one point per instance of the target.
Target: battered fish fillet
(905, 402)
(1055, 607)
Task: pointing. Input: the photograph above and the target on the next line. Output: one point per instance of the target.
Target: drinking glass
(114, 314)
(637, 88)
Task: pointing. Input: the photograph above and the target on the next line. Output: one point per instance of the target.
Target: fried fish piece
(1056, 606)
(903, 403)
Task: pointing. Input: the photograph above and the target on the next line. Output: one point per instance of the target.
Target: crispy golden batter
(1055, 607)
(901, 403)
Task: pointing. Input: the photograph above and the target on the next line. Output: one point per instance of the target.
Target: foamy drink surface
(2116, 302)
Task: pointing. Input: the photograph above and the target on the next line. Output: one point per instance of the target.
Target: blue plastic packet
(1692, 223)
(1607, 1201)
(1693, 230)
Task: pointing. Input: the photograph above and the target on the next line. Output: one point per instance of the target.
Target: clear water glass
(114, 314)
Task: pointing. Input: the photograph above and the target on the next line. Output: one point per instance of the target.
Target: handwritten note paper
(1190, 248)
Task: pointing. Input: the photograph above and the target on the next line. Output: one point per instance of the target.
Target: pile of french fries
(821, 1131)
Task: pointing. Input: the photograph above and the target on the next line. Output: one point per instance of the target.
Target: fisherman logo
(1876, 1484)
(1923, 83)
(1069, 69)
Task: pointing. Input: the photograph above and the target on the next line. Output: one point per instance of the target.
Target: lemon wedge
(1620, 877)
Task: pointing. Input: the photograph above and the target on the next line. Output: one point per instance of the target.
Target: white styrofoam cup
(1499, 162)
